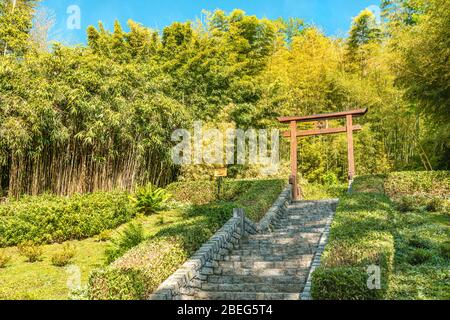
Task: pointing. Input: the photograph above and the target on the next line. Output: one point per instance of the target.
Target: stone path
(273, 265)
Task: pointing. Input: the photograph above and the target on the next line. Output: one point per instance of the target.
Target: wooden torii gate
(293, 133)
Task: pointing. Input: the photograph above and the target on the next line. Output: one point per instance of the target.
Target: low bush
(313, 191)
(343, 283)
(64, 255)
(204, 192)
(4, 259)
(428, 183)
(31, 251)
(436, 204)
(150, 199)
(139, 272)
(131, 236)
(409, 204)
(420, 203)
(444, 250)
(419, 256)
(50, 219)
(359, 238)
(418, 242)
(104, 236)
(116, 284)
(195, 192)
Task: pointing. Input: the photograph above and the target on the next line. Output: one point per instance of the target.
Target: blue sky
(333, 16)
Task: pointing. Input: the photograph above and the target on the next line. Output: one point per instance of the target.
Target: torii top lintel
(326, 116)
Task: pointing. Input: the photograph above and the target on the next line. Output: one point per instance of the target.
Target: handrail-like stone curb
(306, 294)
(203, 261)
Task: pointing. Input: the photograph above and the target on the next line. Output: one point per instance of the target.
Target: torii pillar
(293, 133)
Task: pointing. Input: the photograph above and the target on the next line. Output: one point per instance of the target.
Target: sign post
(219, 174)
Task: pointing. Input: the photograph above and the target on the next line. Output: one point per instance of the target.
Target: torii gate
(293, 133)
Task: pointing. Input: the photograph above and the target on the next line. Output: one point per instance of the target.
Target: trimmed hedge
(50, 219)
(343, 283)
(135, 275)
(360, 237)
(205, 191)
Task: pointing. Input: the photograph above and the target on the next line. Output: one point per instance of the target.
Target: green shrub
(104, 236)
(330, 179)
(314, 191)
(343, 283)
(195, 192)
(418, 242)
(64, 255)
(150, 199)
(419, 256)
(50, 219)
(369, 184)
(204, 192)
(435, 204)
(444, 250)
(129, 238)
(411, 203)
(116, 284)
(4, 259)
(31, 251)
(139, 272)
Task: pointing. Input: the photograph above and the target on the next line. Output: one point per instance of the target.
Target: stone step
(266, 254)
(259, 272)
(272, 265)
(218, 295)
(250, 279)
(302, 262)
(254, 287)
(269, 257)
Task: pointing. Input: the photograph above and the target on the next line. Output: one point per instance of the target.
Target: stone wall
(189, 276)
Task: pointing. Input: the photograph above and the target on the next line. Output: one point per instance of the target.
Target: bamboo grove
(100, 116)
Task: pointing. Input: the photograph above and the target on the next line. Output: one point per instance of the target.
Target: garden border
(306, 294)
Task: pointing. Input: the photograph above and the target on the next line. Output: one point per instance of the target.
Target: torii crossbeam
(293, 133)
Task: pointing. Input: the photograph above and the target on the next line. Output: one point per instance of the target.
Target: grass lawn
(422, 268)
(43, 281)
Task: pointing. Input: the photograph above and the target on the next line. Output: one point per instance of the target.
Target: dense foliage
(100, 116)
(48, 219)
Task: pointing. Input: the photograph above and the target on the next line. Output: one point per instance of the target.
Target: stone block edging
(306, 294)
(202, 262)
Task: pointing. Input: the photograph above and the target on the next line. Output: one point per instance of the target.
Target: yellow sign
(222, 172)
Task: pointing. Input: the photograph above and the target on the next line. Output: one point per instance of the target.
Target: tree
(44, 19)
(15, 24)
(365, 38)
(423, 61)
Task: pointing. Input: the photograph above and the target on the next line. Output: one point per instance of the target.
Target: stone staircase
(273, 265)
